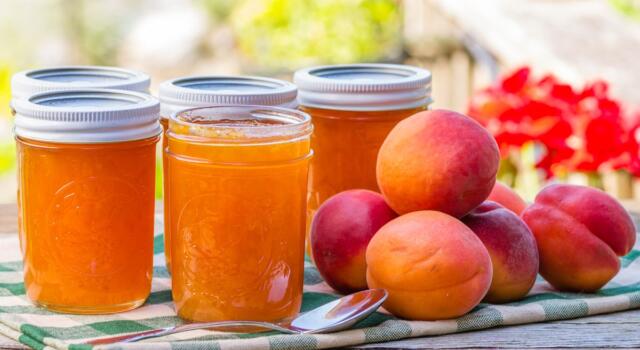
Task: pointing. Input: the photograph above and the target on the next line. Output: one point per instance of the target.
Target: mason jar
(86, 177)
(200, 91)
(237, 211)
(34, 81)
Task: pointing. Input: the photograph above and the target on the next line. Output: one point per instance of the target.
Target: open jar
(238, 182)
(201, 91)
(86, 176)
(353, 108)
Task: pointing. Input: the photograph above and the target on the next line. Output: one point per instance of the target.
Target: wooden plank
(610, 331)
(460, 80)
(441, 81)
(8, 218)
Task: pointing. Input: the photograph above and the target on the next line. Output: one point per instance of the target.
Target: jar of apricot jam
(353, 109)
(237, 211)
(86, 176)
(202, 91)
(29, 82)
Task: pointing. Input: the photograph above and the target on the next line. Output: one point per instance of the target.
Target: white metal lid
(27, 83)
(87, 116)
(201, 91)
(364, 87)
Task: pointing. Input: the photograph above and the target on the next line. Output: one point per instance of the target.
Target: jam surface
(236, 122)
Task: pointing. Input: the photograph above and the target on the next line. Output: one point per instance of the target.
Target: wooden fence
(465, 43)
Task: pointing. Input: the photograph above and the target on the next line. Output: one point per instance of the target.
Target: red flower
(631, 158)
(516, 82)
(578, 130)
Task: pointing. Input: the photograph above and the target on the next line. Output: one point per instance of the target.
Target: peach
(340, 231)
(437, 160)
(580, 231)
(512, 247)
(508, 198)
(433, 266)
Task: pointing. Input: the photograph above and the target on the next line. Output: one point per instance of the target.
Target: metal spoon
(337, 315)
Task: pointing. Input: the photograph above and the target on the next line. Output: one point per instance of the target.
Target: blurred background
(555, 81)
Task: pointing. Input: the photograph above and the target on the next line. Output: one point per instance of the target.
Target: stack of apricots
(443, 235)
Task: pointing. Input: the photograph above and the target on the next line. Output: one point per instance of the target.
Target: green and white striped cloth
(41, 329)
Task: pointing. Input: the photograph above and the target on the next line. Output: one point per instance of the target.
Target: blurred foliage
(7, 146)
(5, 89)
(7, 156)
(286, 34)
(96, 36)
(218, 9)
(630, 8)
(159, 176)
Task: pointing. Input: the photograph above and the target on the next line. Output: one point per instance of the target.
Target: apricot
(340, 231)
(512, 247)
(437, 160)
(580, 232)
(433, 266)
(508, 198)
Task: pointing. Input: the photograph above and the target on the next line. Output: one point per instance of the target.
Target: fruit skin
(508, 198)
(433, 266)
(580, 231)
(512, 247)
(437, 160)
(340, 232)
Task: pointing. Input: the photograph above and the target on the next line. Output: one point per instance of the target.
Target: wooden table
(619, 330)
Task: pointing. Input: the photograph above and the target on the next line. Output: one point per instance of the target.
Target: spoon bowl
(341, 313)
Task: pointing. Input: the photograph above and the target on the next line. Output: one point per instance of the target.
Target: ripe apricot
(508, 198)
(512, 248)
(580, 232)
(437, 160)
(340, 231)
(433, 266)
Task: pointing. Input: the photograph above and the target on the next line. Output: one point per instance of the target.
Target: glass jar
(201, 91)
(353, 109)
(86, 176)
(29, 82)
(238, 184)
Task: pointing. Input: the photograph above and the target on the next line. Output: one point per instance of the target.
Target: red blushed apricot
(340, 231)
(580, 232)
(512, 247)
(433, 266)
(506, 197)
(437, 160)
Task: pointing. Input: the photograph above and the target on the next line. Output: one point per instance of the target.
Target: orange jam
(210, 90)
(86, 198)
(237, 182)
(346, 146)
(88, 224)
(354, 106)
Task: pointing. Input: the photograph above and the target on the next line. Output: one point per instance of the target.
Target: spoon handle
(153, 333)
